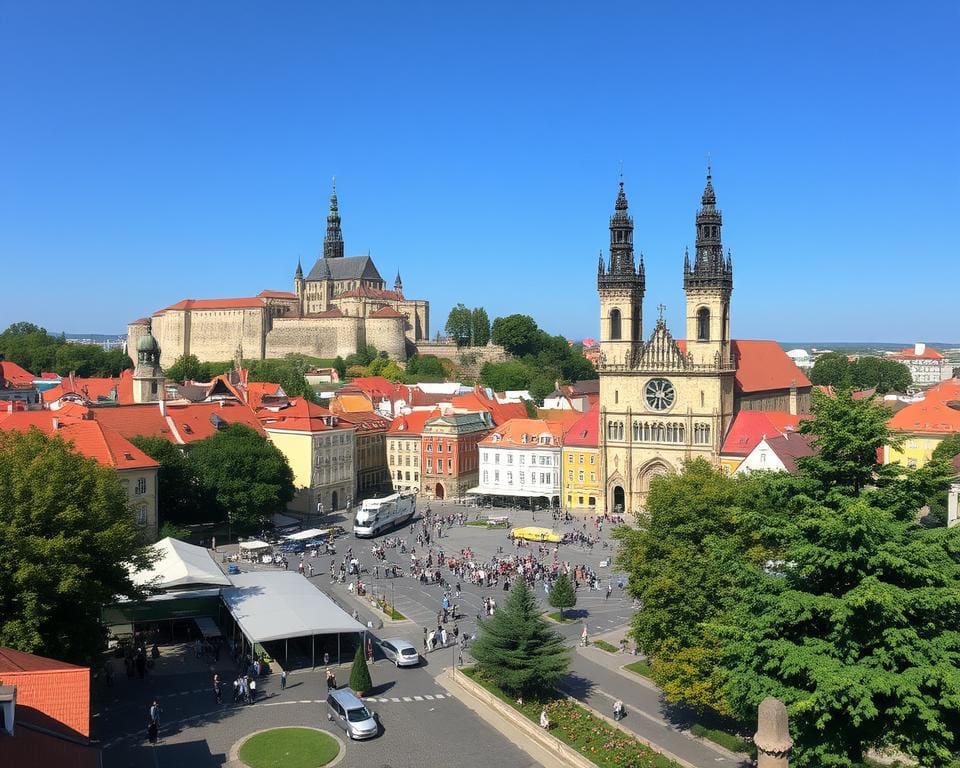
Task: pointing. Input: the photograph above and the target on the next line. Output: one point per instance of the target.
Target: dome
(147, 343)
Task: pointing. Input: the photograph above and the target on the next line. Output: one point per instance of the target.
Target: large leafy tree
(289, 372)
(480, 327)
(517, 649)
(518, 334)
(36, 350)
(512, 374)
(459, 325)
(181, 496)
(66, 537)
(245, 474)
(187, 368)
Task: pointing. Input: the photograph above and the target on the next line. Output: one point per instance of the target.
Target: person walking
(217, 690)
(283, 680)
(253, 689)
(153, 726)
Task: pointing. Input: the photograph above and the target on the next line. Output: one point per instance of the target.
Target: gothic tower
(333, 240)
(708, 283)
(148, 378)
(621, 286)
(298, 287)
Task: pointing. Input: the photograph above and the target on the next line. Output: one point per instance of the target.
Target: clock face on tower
(659, 394)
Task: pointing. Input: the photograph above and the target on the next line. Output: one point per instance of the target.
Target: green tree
(181, 497)
(459, 325)
(245, 474)
(512, 374)
(340, 365)
(517, 649)
(392, 371)
(67, 535)
(360, 680)
(186, 367)
(288, 372)
(424, 368)
(947, 448)
(832, 370)
(518, 334)
(884, 375)
(541, 386)
(480, 325)
(562, 595)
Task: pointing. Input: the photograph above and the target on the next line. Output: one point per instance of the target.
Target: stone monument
(773, 734)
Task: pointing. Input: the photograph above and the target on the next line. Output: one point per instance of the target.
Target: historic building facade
(341, 305)
(664, 401)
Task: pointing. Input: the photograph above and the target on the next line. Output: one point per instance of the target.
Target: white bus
(378, 515)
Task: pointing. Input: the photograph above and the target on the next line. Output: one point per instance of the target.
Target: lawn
(603, 645)
(725, 739)
(594, 738)
(641, 668)
(289, 748)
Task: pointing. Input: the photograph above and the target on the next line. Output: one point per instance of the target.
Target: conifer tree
(562, 594)
(359, 674)
(517, 649)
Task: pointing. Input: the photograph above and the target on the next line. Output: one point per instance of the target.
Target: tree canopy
(820, 588)
(35, 350)
(181, 498)
(562, 594)
(190, 368)
(459, 325)
(836, 370)
(517, 649)
(66, 537)
(479, 326)
(518, 334)
(247, 476)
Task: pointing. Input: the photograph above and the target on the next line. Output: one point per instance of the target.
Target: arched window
(614, 323)
(703, 324)
(724, 323)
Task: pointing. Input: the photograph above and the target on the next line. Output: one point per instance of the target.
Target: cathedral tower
(148, 378)
(708, 283)
(621, 286)
(333, 240)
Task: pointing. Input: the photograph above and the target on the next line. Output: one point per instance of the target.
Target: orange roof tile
(585, 432)
(93, 389)
(20, 661)
(527, 432)
(386, 312)
(89, 438)
(205, 304)
(372, 385)
(929, 353)
(411, 424)
(937, 414)
(750, 427)
(196, 421)
(276, 295)
(335, 312)
(372, 293)
(762, 366)
(300, 416)
(500, 413)
(366, 421)
(12, 375)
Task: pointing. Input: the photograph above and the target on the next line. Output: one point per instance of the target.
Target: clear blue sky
(151, 152)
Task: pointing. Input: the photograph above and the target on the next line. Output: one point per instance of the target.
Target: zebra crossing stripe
(428, 697)
(407, 698)
(418, 698)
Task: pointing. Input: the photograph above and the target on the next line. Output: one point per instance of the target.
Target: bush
(359, 674)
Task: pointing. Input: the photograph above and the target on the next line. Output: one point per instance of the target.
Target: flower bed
(594, 738)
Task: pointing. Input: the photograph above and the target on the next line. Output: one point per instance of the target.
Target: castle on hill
(341, 305)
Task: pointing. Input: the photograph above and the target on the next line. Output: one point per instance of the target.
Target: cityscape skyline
(153, 158)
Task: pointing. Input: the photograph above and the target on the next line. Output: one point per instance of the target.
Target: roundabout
(295, 747)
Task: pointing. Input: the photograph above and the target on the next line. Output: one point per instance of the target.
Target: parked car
(349, 713)
(400, 652)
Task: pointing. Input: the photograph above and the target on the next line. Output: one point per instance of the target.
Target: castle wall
(386, 334)
(468, 359)
(417, 313)
(170, 331)
(325, 337)
(216, 334)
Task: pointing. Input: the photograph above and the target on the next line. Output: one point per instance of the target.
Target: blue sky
(155, 152)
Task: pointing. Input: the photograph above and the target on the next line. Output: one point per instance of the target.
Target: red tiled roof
(372, 385)
(132, 420)
(762, 366)
(411, 423)
(140, 321)
(366, 421)
(750, 427)
(929, 353)
(386, 312)
(93, 389)
(195, 421)
(19, 661)
(371, 293)
(513, 432)
(300, 416)
(89, 438)
(276, 295)
(585, 432)
(938, 413)
(791, 446)
(202, 304)
(12, 375)
(335, 312)
(500, 413)
(258, 391)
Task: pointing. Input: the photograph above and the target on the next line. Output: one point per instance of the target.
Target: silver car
(400, 652)
(348, 712)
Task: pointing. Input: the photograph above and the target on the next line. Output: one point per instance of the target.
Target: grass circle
(289, 748)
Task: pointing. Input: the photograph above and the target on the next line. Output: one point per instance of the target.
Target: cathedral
(341, 305)
(664, 401)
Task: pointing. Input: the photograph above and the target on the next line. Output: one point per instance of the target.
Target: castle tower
(298, 286)
(708, 283)
(621, 286)
(333, 240)
(398, 285)
(148, 378)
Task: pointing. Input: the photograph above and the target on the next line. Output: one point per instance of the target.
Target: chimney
(919, 348)
(794, 405)
(163, 408)
(56, 423)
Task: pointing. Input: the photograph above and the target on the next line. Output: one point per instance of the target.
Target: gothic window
(614, 323)
(636, 430)
(724, 322)
(635, 327)
(703, 324)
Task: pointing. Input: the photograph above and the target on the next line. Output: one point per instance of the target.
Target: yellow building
(923, 425)
(580, 463)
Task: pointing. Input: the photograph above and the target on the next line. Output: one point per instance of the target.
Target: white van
(348, 712)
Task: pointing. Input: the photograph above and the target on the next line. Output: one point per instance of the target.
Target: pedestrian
(609, 591)
(369, 650)
(217, 690)
(152, 732)
(326, 658)
(283, 679)
(253, 690)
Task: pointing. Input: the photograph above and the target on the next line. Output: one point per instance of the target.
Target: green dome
(147, 343)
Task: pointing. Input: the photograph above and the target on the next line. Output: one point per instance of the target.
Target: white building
(925, 363)
(777, 454)
(521, 458)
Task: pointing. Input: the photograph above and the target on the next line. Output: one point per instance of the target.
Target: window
(416, 475)
(496, 458)
(522, 458)
(580, 477)
(141, 487)
(486, 476)
(580, 500)
(142, 514)
(509, 458)
(449, 465)
(581, 458)
(592, 458)
(521, 478)
(570, 475)
(614, 324)
(593, 479)
(496, 476)
(703, 324)
(408, 476)
(450, 446)
(510, 478)
(429, 447)
(570, 459)
(429, 465)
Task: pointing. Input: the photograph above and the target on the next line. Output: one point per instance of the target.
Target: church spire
(333, 241)
(709, 268)
(622, 267)
(398, 284)
(298, 275)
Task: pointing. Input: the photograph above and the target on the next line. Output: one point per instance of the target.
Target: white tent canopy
(310, 533)
(252, 545)
(275, 605)
(179, 564)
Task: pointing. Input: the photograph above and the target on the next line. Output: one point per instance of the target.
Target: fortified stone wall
(217, 334)
(386, 334)
(169, 329)
(469, 359)
(318, 337)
